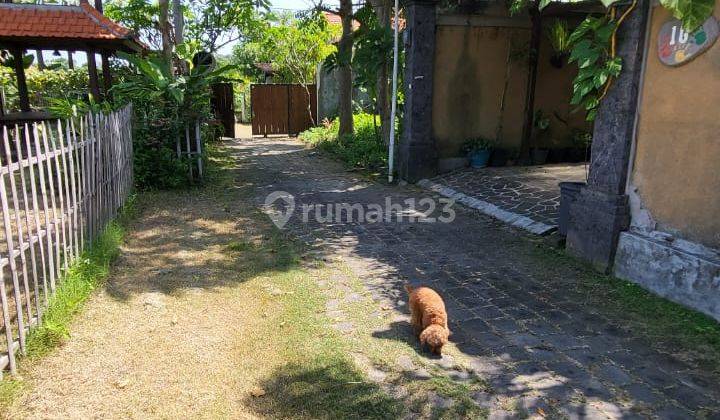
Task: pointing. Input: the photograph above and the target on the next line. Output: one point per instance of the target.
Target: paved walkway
(530, 191)
(533, 329)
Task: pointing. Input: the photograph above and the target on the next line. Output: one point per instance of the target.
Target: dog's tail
(409, 288)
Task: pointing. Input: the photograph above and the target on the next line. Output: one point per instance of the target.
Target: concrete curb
(513, 219)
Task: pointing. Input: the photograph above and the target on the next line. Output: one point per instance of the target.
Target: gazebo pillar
(602, 210)
(21, 80)
(93, 75)
(71, 63)
(417, 154)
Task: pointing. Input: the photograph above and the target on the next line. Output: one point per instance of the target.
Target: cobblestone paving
(531, 191)
(529, 332)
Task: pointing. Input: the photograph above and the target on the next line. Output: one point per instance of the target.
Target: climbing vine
(593, 44)
(594, 47)
(594, 51)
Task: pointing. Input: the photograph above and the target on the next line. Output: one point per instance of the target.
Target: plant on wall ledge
(559, 36)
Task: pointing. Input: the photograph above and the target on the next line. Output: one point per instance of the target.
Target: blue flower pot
(479, 158)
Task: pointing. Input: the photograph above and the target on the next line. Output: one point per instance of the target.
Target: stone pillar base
(596, 220)
(417, 161)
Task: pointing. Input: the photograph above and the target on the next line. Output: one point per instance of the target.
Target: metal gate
(223, 105)
(282, 108)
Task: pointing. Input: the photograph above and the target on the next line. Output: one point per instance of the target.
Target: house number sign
(677, 47)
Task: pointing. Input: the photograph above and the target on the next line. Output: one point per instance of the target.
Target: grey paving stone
(689, 398)
(475, 326)
(672, 412)
(525, 340)
(504, 325)
(640, 392)
(613, 374)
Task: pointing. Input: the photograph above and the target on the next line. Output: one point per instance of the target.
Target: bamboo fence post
(36, 212)
(8, 327)
(64, 193)
(57, 229)
(75, 180)
(70, 175)
(18, 223)
(189, 152)
(198, 148)
(32, 239)
(46, 211)
(11, 257)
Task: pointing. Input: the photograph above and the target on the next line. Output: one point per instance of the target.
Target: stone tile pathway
(530, 191)
(531, 331)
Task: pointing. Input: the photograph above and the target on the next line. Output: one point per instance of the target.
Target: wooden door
(282, 108)
(223, 105)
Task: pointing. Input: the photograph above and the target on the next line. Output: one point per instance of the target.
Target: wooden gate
(282, 108)
(223, 105)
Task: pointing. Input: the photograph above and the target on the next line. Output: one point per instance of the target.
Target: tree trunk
(164, 26)
(383, 10)
(345, 70)
(179, 32)
(178, 22)
(508, 67)
(528, 123)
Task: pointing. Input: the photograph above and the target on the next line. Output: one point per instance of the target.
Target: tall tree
(164, 26)
(345, 83)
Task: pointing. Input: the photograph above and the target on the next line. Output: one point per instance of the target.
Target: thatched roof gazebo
(80, 27)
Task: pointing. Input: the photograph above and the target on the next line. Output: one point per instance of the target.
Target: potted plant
(478, 151)
(559, 36)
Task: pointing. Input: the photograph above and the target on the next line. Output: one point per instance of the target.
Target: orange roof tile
(18, 20)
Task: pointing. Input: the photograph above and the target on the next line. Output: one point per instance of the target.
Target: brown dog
(428, 317)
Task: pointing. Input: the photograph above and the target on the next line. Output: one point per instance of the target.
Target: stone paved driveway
(530, 191)
(530, 330)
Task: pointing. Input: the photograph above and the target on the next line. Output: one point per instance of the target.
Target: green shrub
(164, 104)
(363, 149)
(45, 86)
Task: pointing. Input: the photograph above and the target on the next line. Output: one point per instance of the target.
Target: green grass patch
(669, 326)
(318, 378)
(73, 290)
(9, 390)
(364, 149)
(240, 246)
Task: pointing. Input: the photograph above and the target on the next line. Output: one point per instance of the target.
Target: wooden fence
(61, 182)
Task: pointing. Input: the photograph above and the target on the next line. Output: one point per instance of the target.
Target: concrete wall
(675, 173)
(327, 93)
(470, 68)
(470, 71)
